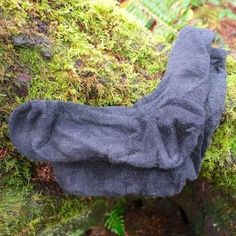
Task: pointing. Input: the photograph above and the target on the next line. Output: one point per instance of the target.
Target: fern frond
(115, 221)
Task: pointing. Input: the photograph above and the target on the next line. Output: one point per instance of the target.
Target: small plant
(115, 221)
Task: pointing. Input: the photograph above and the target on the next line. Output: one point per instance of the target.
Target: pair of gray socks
(149, 149)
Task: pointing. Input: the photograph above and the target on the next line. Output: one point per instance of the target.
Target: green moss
(26, 212)
(219, 164)
(31, 60)
(111, 56)
(99, 58)
(208, 15)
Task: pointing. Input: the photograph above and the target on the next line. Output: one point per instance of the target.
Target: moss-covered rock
(86, 52)
(220, 160)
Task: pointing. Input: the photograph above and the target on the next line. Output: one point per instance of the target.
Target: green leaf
(115, 221)
(214, 2)
(227, 13)
(188, 15)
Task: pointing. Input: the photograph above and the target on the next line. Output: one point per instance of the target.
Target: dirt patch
(44, 179)
(3, 152)
(232, 7)
(99, 231)
(228, 32)
(43, 172)
(142, 219)
(167, 218)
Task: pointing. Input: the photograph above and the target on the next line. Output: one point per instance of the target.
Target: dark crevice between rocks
(196, 211)
(151, 217)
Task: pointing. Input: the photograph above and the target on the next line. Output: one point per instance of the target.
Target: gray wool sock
(79, 178)
(150, 148)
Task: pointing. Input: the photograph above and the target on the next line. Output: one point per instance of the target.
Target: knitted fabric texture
(151, 148)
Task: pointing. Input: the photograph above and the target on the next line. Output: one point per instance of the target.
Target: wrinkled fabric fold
(151, 148)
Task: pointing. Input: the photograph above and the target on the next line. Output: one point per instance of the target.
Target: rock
(30, 41)
(42, 26)
(34, 41)
(23, 40)
(78, 63)
(87, 74)
(24, 78)
(93, 217)
(144, 73)
(40, 40)
(21, 84)
(21, 90)
(38, 24)
(123, 78)
(210, 227)
(104, 81)
(47, 52)
(160, 47)
(207, 209)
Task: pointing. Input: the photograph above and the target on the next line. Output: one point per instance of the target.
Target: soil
(44, 180)
(141, 219)
(99, 231)
(3, 152)
(43, 172)
(232, 7)
(166, 219)
(228, 32)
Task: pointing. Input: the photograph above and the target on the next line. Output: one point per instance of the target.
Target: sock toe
(30, 127)
(18, 128)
